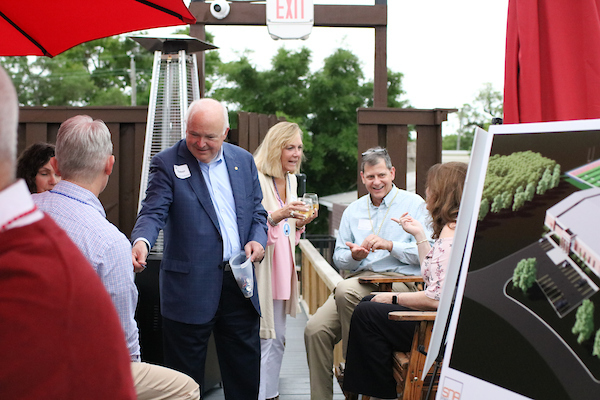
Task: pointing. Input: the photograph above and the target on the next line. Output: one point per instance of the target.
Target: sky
(446, 49)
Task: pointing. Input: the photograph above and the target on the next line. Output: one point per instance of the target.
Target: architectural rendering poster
(526, 321)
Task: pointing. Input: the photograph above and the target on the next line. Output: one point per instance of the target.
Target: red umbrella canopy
(49, 27)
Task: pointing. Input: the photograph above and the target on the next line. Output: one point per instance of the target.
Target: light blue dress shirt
(361, 219)
(79, 212)
(219, 187)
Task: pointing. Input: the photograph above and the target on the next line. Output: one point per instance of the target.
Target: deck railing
(317, 281)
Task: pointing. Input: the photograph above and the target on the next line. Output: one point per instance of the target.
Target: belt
(225, 266)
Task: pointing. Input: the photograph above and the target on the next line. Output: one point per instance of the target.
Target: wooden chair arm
(412, 315)
(390, 279)
(385, 282)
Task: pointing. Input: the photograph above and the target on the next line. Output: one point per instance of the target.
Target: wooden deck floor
(294, 381)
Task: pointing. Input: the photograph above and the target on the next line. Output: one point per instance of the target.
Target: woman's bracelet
(271, 222)
(422, 241)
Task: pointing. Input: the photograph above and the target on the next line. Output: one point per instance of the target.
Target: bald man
(206, 196)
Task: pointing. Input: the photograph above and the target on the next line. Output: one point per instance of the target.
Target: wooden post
(388, 127)
(198, 31)
(326, 15)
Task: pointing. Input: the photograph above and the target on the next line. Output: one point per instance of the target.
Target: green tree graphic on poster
(584, 321)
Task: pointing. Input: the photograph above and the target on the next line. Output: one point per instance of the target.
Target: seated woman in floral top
(373, 337)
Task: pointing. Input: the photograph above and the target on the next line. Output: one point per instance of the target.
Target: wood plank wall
(128, 128)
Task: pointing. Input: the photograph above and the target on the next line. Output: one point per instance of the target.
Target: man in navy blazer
(206, 197)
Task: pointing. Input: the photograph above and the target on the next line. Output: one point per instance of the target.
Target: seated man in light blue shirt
(84, 160)
(368, 243)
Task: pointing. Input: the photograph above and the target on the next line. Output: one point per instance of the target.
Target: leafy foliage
(487, 104)
(584, 321)
(93, 73)
(525, 274)
(512, 180)
(90, 74)
(596, 348)
(282, 89)
(323, 103)
(335, 92)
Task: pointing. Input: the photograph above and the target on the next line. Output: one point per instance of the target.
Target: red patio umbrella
(49, 27)
(552, 61)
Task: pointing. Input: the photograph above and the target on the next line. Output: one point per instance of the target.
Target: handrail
(327, 273)
(318, 278)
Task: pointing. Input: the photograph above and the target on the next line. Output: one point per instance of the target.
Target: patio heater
(174, 86)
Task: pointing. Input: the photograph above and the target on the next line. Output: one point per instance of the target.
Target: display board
(526, 317)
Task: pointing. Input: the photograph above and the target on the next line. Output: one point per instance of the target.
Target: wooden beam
(59, 114)
(246, 13)
(326, 15)
(406, 116)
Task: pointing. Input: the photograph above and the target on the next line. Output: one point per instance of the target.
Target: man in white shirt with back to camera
(84, 160)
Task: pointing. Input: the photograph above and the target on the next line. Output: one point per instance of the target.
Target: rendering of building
(576, 220)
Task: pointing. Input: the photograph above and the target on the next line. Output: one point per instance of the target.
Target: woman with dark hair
(373, 337)
(34, 166)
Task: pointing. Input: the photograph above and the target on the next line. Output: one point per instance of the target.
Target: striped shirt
(79, 212)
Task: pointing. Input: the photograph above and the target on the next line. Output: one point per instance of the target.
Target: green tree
(513, 179)
(525, 274)
(530, 191)
(484, 208)
(323, 102)
(496, 206)
(335, 92)
(394, 92)
(584, 321)
(486, 105)
(556, 176)
(507, 199)
(92, 73)
(544, 183)
(596, 348)
(519, 201)
(282, 89)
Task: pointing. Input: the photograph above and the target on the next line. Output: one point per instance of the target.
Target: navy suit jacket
(190, 277)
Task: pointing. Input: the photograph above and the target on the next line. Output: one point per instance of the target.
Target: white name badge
(364, 224)
(182, 171)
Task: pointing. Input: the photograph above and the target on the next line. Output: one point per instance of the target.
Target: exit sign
(290, 19)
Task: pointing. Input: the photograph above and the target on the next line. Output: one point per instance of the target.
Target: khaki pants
(153, 382)
(330, 324)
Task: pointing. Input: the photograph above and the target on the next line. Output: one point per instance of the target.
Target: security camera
(219, 9)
